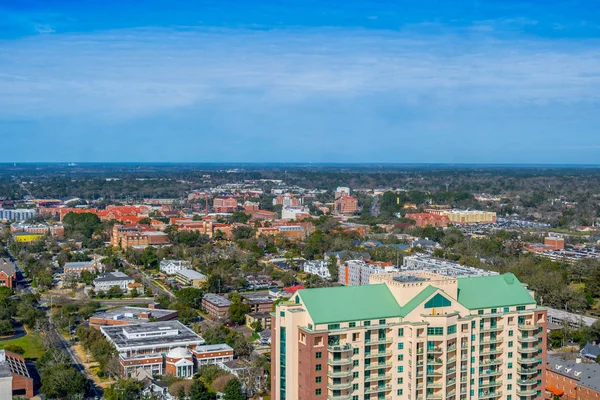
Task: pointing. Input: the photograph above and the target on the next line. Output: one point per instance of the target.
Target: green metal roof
(350, 303)
(492, 291)
(418, 299)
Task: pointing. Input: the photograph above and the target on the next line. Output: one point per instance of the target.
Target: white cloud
(140, 71)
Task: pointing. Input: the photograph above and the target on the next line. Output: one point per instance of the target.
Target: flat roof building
(441, 267)
(215, 305)
(131, 316)
(189, 277)
(166, 347)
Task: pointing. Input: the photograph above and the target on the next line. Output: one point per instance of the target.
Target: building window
(318, 379)
(509, 386)
(367, 323)
(352, 325)
(509, 376)
(318, 367)
(510, 333)
(520, 308)
(355, 375)
(435, 331)
(509, 365)
(400, 368)
(437, 301)
(318, 355)
(400, 346)
(318, 392)
(355, 363)
(506, 309)
(382, 322)
(355, 350)
(282, 313)
(355, 386)
(399, 392)
(400, 380)
(400, 357)
(333, 326)
(451, 329)
(510, 354)
(400, 332)
(310, 327)
(480, 312)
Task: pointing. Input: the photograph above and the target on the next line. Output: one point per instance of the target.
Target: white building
(439, 266)
(17, 215)
(170, 267)
(111, 279)
(294, 212)
(318, 267)
(358, 272)
(341, 192)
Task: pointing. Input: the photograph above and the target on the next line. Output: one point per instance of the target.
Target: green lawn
(31, 343)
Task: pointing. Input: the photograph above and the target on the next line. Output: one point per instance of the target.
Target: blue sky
(323, 81)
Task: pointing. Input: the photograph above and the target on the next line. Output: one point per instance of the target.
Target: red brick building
(572, 379)
(426, 219)
(8, 273)
(225, 204)
(14, 370)
(554, 243)
(346, 205)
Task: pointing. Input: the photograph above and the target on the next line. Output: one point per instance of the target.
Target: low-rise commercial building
(189, 277)
(161, 348)
(131, 316)
(426, 219)
(345, 205)
(258, 302)
(215, 305)
(296, 213)
(225, 204)
(57, 230)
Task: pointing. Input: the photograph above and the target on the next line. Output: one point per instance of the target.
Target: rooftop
(165, 333)
(493, 291)
(134, 314)
(588, 374)
(113, 276)
(217, 300)
(7, 266)
(191, 274)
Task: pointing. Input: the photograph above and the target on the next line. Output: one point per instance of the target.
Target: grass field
(31, 343)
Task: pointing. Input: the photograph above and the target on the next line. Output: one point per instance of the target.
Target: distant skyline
(492, 82)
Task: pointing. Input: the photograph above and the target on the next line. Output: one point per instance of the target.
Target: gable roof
(418, 299)
(492, 291)
(350, 303)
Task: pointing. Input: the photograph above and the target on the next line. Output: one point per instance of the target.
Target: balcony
(527, 371)
(497, 361)
(451, 394)
(451, 360)
(376, 354)
(491, 328)
(528, 350)
(375, 341)
(529, 327)
(339, 347)
(492, 373)
(489, 352)
(451, 348)
(451, 371)
(377, 366)
(529, 339)
(490, 384)
(490, 395)
(435, 350)
(340, 374)
(525, 360)
(341, 361)
(340, 397)
(339, 386)
(451, 382)
(527, 382)
(378, 389)
(526, 393)
(434, 385)
(438, 372)
(375, 378)
(437, 361)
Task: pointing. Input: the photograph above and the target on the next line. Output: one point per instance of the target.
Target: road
(374, 210)
(147, 281)
(60, 342)
(19, 331)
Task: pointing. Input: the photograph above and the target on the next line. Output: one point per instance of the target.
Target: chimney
(578, 360)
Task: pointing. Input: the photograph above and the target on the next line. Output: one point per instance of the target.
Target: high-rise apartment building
(410, 335)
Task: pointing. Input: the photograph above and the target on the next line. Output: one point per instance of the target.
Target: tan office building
(410, 335)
